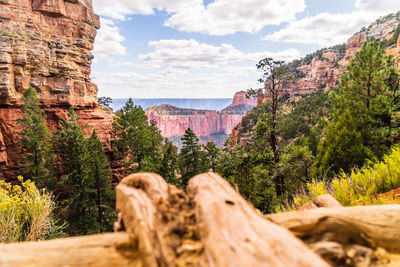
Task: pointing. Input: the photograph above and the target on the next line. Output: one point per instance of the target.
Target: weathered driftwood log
(373, 226)
(323, 201)
(100, 250)
(235, 234)
(161, 220)
(340, 234)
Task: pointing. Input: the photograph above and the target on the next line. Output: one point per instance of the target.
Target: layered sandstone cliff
(47, 44)
(209, 125)
(323, 69)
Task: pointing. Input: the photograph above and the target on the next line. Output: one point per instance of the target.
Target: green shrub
(363, 186)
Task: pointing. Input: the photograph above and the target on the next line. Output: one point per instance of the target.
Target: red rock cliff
(207, 124)
(47, 44)
(326, 66)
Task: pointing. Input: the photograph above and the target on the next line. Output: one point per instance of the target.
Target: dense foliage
(318, 136)
(369, 185)
(26, 213)
(365, 120)
(84, 186)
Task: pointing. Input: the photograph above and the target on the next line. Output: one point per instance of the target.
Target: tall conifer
(34, 138)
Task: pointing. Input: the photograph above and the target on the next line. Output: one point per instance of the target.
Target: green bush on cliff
(364, 186)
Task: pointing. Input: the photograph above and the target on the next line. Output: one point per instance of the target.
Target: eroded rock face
(325, 69)
(241, 98)
(206, 124)
(47, 44)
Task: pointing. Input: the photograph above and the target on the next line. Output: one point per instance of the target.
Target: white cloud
(324, 29)
(121, 9)
(380, 7)
(220, 17)
(177, 83)
(190, 54)
(328, 29)
(224, 17)
(109, 40)
(188, 69)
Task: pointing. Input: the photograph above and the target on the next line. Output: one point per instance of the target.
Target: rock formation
(241, 98)
(324, 68)
(209, 125)
(47, 44)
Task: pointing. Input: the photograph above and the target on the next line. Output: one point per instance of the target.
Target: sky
(210, 48)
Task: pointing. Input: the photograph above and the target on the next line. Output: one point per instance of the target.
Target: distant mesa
(208, 125)
(194, 103)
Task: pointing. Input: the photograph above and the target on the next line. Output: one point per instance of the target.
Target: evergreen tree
(98, 180)
(295, 166)
(276, 75)
(36, 161)
(248, 172)
(105, 101)
(342, 148)
(212, 153)
(369, 90)
(84, 187)
(169, 163)
(137, 142)
(192, 160)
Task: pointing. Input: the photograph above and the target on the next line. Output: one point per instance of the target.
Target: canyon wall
(47, 44)
(208, 125)
(323, 69)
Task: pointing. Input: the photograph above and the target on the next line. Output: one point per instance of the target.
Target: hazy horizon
(193, 103)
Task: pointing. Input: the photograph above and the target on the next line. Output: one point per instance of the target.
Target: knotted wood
(372, 226)
(348, 235)
(235, 234)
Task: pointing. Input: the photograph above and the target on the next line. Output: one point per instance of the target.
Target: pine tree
(98, 180)
(169, 163)
(276, 75)
(192, 160)
(212, 153)
(36, 162)
(137, 142)
(70, 147)
(369, 90)
(84, 187)
(342, 148)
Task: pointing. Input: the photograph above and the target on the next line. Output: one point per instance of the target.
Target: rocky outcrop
(47, 44)
(323, 69)
(241, 98)
(209, 125)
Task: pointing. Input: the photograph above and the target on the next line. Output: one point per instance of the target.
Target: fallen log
(235, 234)
(115, 249)
(373, 226)
(161, 220)
(322, 201)
(335, 233)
